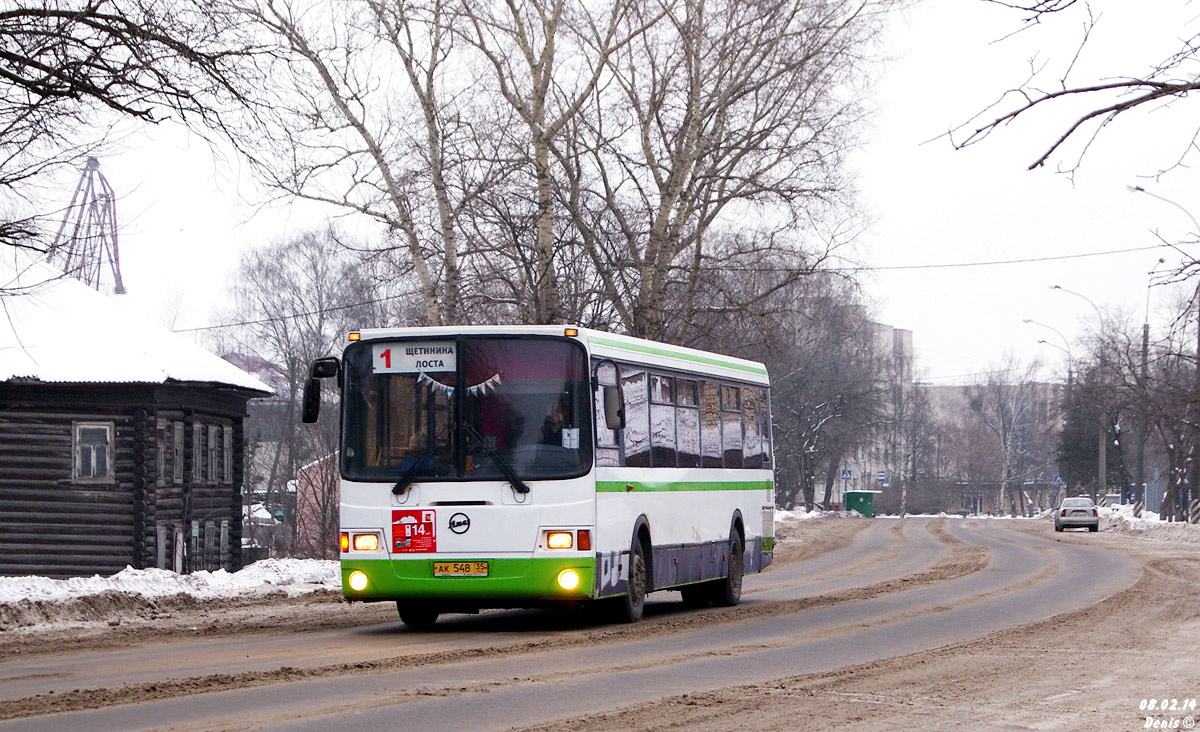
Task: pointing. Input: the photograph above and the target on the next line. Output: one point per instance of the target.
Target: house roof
(57, 329)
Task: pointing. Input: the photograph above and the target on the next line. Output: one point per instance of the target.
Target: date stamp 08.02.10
(1169, 713)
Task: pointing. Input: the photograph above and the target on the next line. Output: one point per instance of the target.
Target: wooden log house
(120, 442)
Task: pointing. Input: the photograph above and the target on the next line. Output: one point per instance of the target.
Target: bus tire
(417, 617)
(633, 604)
(727, 592)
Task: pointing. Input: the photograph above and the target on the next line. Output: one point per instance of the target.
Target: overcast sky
(935, 205)
(182, 226)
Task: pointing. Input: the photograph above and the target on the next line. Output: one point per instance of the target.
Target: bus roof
(603, 344)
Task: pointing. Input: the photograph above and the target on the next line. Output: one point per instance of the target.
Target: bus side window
(662, 421)
(687, 422)
(710, 425)
(636, 397)
(731, 425)
(608, 450)
(766, 428)
(751, 441)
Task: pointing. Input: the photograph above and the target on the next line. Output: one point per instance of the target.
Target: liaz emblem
(460, 523)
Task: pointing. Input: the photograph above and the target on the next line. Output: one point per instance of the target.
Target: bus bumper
(510, 582)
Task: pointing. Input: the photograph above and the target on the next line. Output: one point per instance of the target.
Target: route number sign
(414, 530)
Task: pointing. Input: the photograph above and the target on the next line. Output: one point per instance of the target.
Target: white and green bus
(525, 466)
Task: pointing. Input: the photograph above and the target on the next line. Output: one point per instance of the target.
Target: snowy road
(900, 587)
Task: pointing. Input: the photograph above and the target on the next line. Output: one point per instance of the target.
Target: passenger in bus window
(418, 459)
(556, 415)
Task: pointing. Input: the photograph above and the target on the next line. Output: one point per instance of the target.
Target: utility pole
(1139, 489)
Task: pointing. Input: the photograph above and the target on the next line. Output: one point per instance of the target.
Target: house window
(93, 451)
(197, 455)
(177, 453)
(228, 455)
(160, 457)
(211, 449)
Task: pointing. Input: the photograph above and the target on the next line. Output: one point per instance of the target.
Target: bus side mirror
(614, 411)
(322, 368)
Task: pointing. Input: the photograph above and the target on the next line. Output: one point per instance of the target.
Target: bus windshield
(464, 408)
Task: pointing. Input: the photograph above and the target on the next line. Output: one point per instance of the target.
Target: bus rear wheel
(417, 617)
(727, 592)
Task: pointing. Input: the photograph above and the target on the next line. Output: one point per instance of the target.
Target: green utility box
(861, 501)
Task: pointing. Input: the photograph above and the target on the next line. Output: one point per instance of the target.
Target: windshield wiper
(406, 478)
(511, 475)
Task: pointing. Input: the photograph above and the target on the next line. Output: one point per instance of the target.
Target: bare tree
(719, 114)
(1155, 383)
(1018, 411)
(409, 150)
(1166, 80)
(298, 298)
(69, 70)
(548, 58)
(818, 344)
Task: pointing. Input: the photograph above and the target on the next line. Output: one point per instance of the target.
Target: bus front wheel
(417, 617)
(633, 604)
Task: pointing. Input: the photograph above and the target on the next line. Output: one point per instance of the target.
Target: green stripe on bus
(624, 486)
(674, 354)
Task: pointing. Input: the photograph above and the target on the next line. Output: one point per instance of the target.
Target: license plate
(460, 569)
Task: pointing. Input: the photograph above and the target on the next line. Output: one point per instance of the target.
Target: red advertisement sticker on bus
(414, 531)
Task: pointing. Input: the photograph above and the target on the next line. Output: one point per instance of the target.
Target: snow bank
(291, 576)
(1120, 520)
(800, 514)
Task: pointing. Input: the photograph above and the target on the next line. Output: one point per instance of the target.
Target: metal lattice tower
(86, 242)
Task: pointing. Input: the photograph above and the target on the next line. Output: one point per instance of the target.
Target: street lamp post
(1065, 347)
(1095, 307)
(1139, 488)
(1102, 434)
(1195, 477)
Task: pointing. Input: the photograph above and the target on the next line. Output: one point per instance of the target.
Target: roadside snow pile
(154, 593)
(1120, 520)
(800, 514)
(291, 576)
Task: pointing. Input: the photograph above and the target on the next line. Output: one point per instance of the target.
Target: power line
(291, 316)
(995, 372)
(950, 265)
(859, 268)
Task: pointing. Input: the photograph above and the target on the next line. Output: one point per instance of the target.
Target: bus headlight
(366, 542)
(568, 579)
(357, 581)
(560, 540)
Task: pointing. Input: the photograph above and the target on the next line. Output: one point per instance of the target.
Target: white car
(1076, 513)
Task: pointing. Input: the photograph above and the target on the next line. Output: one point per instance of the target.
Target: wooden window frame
(110, 472)
(177, 452)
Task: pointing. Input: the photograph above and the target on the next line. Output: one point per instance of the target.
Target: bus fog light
(568, 579)
(366, 542)
(560, 540)
(358, 581)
